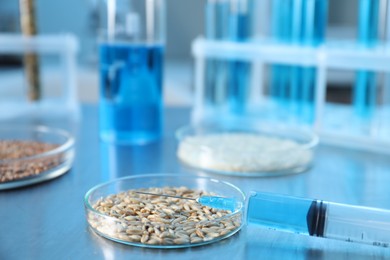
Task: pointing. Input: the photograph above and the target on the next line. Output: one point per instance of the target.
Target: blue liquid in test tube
(314, 24)
(216, 73)
(240, 31)
(365, 87)
(281, 32)
(297, 24)
(131, 92)
(301, 22)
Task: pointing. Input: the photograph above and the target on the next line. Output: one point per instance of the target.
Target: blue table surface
(47, 220)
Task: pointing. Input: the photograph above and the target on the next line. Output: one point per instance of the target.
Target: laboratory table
(47, 220)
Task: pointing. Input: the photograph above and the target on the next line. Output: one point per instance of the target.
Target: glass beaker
(131, 54)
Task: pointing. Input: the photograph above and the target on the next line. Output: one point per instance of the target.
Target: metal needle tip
(164, 195)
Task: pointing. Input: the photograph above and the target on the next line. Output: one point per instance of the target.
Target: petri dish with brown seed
(117, 211)
(33, 155)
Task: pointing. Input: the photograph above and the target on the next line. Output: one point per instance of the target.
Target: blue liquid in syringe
(131, 92)
(278, 212)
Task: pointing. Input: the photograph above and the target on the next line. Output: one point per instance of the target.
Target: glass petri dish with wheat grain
(30, 155)
(116, 211)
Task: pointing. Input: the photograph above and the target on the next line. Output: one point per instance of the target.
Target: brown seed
(224, 232)
(199, 233)
(157, 231)
(190, 231)
(181, 240)
(210, 229)
(168, 241)
(230, 227)
(208, 239)
(178, 220)
(182, 234)
(207, 211)
(144, 238)
(131, 218)
(135, 238)
(168, 211)
(196, 240)
(185, 228)
(176, 208)
(159, 239)
(213, 235)
(165, 234)
(153, 242)
(134, 231)
(123, 237)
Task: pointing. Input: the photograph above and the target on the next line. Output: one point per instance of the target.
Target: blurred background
(185, 21)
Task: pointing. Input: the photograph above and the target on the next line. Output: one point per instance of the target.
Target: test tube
(240, 21)
(216, 73)
(300, 22)
(313, 34)
(319, 218)
(281, 32)
(365, 86)
(297, 21)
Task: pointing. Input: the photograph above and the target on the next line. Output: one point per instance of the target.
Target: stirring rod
(210, 201)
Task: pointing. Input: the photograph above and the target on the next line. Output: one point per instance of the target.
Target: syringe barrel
(358, 224)
(278, 212)
(320, 218)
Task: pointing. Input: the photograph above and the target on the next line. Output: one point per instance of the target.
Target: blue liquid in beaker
(130, 92)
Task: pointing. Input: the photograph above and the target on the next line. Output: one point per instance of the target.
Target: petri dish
(135, 222)
(31, 155)
(267, 150)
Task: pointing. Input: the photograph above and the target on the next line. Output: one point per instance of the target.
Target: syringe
(307, 216)
(320, 218)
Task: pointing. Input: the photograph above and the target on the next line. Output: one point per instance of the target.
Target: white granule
(240, 152)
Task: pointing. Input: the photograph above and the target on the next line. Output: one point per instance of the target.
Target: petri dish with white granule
(268, 150)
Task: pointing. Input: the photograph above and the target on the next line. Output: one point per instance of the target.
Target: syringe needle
(164, 195)
(210, 201)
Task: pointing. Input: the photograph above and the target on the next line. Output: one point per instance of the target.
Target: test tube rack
(334, 123)
(64, 48)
